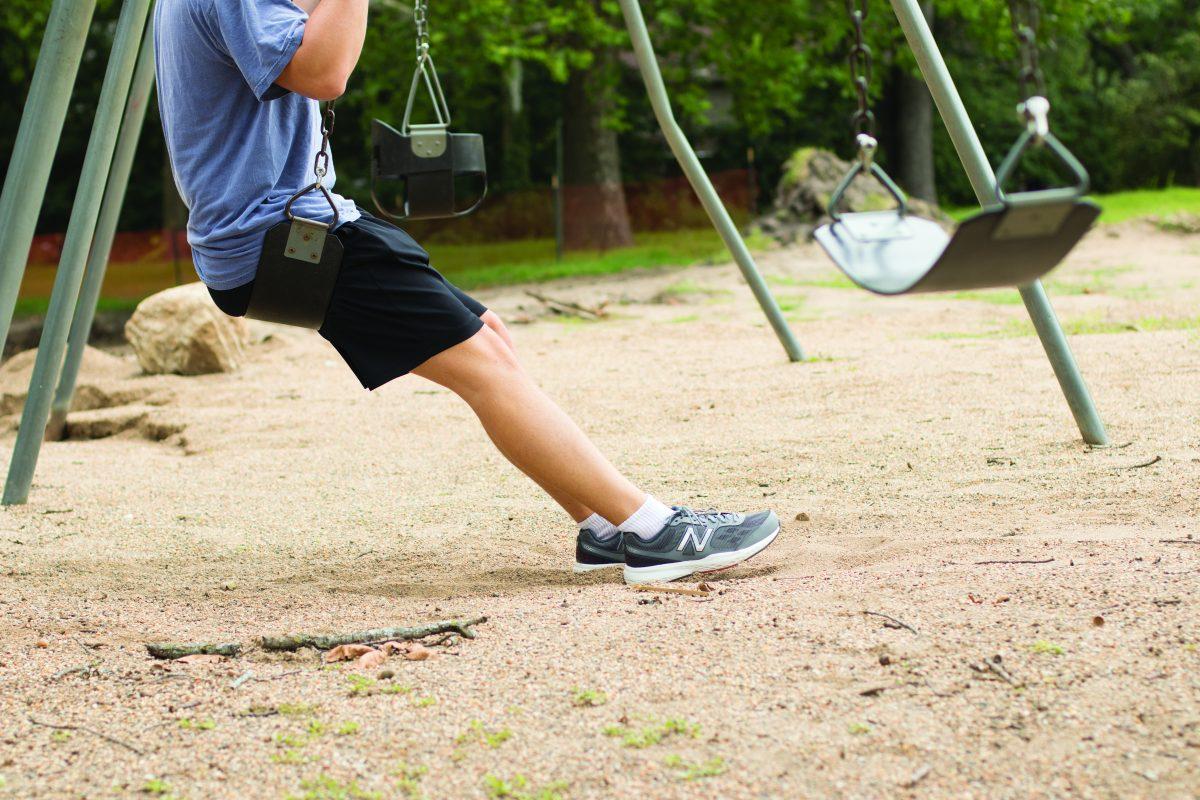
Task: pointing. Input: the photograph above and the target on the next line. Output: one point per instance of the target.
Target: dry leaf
(395, 648)
(201, 658)
(371, 660)
(418, 652)
(347, 652)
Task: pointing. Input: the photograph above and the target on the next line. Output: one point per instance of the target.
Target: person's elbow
(323, 85)
(326, 89)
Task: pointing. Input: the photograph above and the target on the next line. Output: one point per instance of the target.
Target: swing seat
(430, 163)
(1013, 244)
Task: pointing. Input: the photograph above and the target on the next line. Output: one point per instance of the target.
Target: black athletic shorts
(390, 310)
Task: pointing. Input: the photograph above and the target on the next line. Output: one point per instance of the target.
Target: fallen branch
(1180, 541)
(81, 669)
(994, 666)
(1149, 463)
(917, 776)
(896, 624)
(568, 308)
(169, 651)
(1018, 561)
(104, 736)
(299, 640)
(684, 590)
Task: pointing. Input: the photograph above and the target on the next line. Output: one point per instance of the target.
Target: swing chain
(321, 164)
(421, 17)
(1034, 109)
(861, 64)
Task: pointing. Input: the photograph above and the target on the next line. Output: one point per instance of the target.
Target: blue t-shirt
(240, 146)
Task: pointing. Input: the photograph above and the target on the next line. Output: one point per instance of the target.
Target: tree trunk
(514, 131)
(595, 214)
(914, 129)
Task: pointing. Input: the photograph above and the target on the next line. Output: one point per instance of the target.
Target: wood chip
(684, 590)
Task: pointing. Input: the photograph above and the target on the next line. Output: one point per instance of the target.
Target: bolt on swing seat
(1013, 243)
(428, 161)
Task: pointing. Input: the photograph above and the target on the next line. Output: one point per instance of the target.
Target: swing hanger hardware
(321, 170)
(1035, 113)
(1034, 110)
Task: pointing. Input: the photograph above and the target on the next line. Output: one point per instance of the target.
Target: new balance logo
(698, 544)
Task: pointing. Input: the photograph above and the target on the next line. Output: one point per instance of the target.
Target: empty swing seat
(429, 163)
(1013, 244)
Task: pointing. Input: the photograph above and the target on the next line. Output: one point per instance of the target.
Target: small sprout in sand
(587, 698)
(323, 787)
(347, 729)
(295, 740)
(189, 724)
(477, 733)
(424, 702)
(515, 789)
(289, 756)
(361, 685)
(1042, 647)
(396, 688)
(156, 788)
(296, 709)
(409, 783)
(689, 771)
(315, 728)
(858, 728)
(60, 736)
(652, 734)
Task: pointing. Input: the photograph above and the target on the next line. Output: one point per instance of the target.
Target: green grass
(1079, 326)
(1122, 206)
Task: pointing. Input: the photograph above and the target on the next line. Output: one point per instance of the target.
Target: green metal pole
(643, 50)
(37, 141)
(80, 232)
(983, 181)
(559, 239)
(106, 230)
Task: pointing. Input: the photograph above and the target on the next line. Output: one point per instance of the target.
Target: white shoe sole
(593, 567)
(662, 573)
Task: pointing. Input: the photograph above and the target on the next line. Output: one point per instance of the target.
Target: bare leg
(578, 511)
(528, 428)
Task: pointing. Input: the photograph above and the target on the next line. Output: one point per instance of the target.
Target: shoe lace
(704, 517)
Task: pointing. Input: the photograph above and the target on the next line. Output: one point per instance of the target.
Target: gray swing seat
(1013, 243)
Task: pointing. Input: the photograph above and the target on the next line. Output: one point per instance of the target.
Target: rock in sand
(180, 330)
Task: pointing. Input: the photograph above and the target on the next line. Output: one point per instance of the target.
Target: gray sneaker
(697, 541)
(592, 553)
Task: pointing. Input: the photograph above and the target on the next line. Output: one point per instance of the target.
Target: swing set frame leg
(983, 181)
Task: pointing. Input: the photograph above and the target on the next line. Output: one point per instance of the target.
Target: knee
(486, 366)
(493, 321)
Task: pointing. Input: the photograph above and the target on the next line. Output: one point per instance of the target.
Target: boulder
(181, 331)
(802, 197)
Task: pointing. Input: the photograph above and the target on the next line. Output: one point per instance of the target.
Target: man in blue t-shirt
(239, 84)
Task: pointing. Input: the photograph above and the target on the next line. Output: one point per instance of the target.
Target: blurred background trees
(751, 81)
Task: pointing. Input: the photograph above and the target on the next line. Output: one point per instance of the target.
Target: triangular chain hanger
(426, 73)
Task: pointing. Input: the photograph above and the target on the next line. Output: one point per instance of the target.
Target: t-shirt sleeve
(260, 36)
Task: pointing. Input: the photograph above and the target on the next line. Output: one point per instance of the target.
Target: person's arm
(333, 42)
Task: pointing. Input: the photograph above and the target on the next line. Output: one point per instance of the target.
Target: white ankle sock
(599, 526)
(648, 520)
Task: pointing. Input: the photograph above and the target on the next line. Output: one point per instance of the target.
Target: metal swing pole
(106, 229)
(643, 50)
(983, 181)
(37, 141)
(80, 232)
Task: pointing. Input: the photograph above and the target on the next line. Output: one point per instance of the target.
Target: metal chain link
(321, 165)
(861, 66)
(1026, 20)
(421, 17)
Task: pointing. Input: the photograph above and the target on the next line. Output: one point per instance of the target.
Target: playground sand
(927, 435)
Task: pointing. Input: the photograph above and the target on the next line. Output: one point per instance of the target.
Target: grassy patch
(694, 771)
(409, 778)
(477, 733)
(684, 318)
(296, 709)
(652, 734)
(347, 729)
(1078, 326)
(587, 698)
(424, 702)
(517, 788)
(1122, 206)
(858, 729)
(1042, 647)
(189, 724)
(324, 787)
(158, 788)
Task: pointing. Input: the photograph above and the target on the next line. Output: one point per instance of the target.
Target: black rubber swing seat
(891, 253)
(429, 162)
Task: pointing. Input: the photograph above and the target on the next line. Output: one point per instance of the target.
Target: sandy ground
(927, 435)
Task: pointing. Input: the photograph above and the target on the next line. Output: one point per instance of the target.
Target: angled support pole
(983, 181)
(106, 229)
(37, 141)
(80, 231)
(647, 62)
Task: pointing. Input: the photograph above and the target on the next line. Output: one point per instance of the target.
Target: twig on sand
(237, 682)
(104, 736)
(298, 640)
(1141, 464)
(995, 666)
(684, 590)
(568, 308)
(81, 669)
(1018, 561)
(1180, 541)
(918, 776)
(896, 624)
(170, 651)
